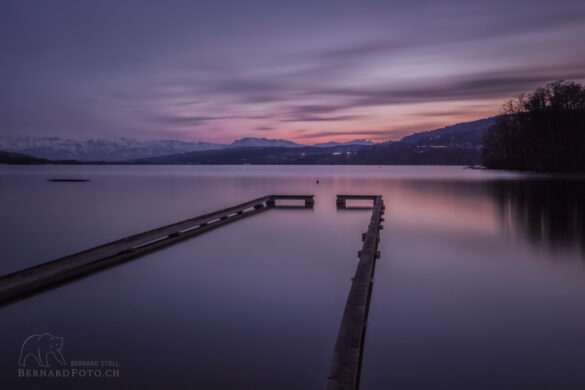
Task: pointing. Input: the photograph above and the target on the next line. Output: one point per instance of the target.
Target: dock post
(309, 202)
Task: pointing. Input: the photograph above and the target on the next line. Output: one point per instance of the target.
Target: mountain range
(55, 148)
(459, 144)
(124, 149)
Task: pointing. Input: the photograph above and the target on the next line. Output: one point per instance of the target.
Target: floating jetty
(37, 278)
(347, 356)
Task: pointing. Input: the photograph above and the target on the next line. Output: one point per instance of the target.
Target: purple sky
(305, 70)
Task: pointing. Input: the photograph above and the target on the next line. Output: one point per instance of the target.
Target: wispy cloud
(336, 68)
(339, 118)
(185, 120)
(349, 133)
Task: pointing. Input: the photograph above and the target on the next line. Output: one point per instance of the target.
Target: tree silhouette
(543, 131)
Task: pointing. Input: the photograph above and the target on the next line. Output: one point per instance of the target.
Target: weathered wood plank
(304, 197)
(366, 197)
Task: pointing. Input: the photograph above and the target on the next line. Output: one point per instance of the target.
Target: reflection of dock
(80, 264)
(347, 355)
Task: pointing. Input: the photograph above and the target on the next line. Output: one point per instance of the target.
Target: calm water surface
(480, 284)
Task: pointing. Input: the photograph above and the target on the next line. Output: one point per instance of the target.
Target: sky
(305, 70)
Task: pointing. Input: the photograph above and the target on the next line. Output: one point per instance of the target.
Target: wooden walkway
(347, 355)
(37, 278)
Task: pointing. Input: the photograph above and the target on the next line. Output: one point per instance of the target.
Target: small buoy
(317, 181)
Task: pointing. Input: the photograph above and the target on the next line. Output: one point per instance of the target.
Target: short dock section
(342, 201)
(347, 356)
(308, 201)
(37, 278)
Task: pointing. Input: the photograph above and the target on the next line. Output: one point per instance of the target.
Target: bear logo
(39, 347)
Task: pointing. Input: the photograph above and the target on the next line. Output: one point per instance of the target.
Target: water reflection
(455, 300)
(547, 213)
(479, 286)
(550, 213)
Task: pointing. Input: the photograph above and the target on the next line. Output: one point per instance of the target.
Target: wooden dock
(347, 356)
(37, 278)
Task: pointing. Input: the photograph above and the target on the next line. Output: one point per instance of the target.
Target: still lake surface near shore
(481, 283)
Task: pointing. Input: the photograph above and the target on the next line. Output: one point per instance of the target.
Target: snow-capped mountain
(263, 143)
(124, 149)
(55, 148)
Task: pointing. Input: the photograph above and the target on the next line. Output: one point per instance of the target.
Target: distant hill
(470, 131)
(55, 148)
(302, 155)
(124, 149)
(459, 144)
(354, 142)
(403, 153)
(263, 143)
(23, 159)
(17, 158)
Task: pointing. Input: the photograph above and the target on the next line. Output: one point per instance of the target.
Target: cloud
(310, 113)
(191, 64)
(186, 120)
(198, 120)
(480, 85)
(338, 118)
(461, 26)
(358, 133)
(317, 109)
(244, 86)
(438, 113)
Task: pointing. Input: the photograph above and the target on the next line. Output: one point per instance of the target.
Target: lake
(480, 284)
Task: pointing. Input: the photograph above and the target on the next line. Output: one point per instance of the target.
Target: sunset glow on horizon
(305, 71)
